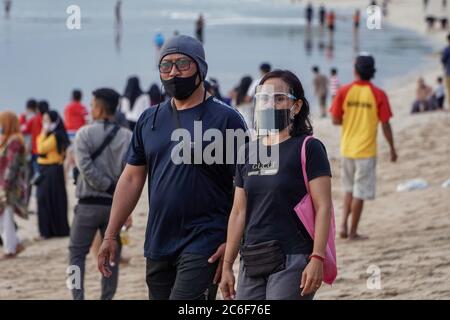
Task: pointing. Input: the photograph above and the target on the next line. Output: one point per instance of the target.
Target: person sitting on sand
(359, 107)
(423, 97)
(13, 182)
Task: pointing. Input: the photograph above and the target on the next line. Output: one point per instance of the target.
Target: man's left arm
(384, 114)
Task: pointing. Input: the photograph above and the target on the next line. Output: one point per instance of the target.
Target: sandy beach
(409, 232)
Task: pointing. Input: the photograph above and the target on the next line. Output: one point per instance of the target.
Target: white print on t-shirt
(264, 169)
(194, 151)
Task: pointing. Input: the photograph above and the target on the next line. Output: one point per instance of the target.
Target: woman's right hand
(227, 283)
(106, 256)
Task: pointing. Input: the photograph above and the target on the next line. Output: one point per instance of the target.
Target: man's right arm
(127, 193)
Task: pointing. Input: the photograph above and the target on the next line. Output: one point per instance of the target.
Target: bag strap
(105, 143)
(303, 162)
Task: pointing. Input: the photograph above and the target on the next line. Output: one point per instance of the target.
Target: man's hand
(107, 255)
(218, 255)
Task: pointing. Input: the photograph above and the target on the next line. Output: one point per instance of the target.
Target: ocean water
(41, 58)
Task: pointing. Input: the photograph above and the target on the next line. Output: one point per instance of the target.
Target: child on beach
(439, 94)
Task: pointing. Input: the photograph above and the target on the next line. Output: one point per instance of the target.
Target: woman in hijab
(128, 102)
(13, 182)
(51, 193)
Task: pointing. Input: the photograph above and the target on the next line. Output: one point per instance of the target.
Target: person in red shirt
(75, 115)
(24, 120)
(33, 127)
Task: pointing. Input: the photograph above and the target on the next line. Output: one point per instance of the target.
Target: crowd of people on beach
(202, 215)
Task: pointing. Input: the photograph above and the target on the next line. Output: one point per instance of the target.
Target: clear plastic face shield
(272, 110)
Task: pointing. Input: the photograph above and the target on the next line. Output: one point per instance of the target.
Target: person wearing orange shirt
(358, 107)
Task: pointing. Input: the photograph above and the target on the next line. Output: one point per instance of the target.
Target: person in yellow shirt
(51, 191)
(359, 107)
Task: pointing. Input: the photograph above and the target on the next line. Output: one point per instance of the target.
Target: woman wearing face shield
(279, 260)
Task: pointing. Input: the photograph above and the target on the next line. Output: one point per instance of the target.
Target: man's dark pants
(188, 277)
(87, 220)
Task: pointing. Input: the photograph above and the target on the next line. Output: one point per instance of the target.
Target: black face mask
(271, 119)
(180, 88)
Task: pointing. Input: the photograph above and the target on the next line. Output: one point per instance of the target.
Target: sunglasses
(182, 64)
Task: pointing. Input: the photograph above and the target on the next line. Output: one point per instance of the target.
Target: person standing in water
(118, 24)
(199, 26)
(331, 20)
(309, 13)
(8, 4)
(322, 17)
(118, 12)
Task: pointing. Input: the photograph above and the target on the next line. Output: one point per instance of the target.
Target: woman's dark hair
(62, 140)
(32, 105)
(242, 89)
(43, 106)
(155, 95)
(301, 123)
(132, 90)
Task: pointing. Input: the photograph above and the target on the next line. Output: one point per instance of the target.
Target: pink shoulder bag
(306, 213)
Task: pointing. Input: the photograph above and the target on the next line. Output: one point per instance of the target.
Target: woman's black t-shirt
(274, 188)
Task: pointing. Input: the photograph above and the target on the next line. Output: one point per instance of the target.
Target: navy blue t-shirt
(189, 204)
(275, 187)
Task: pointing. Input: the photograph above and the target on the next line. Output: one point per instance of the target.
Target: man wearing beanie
(189, 202)
(359, 107)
